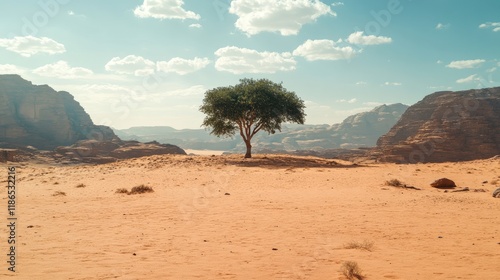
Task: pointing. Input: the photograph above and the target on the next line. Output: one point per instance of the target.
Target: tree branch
(256, 129)
(240, 125)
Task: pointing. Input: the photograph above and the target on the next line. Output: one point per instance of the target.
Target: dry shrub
(351, 270)
(57, 193)
(81, 186)
(394, 183)
(365, 245)
(122, 190)
(141, 189)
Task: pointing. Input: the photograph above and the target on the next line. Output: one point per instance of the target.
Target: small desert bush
(57, 193)
(351, 270)
(122, 190)
(365, 245)
(80, 186)
(394, 183)
(141, 189)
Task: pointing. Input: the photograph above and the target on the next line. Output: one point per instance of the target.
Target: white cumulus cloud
(30, 45)
(195, 25)
(350, 101)
(469, 79)
(465, 64)
(241, 60)
(495, 26)
(284, 16)
(358, 38)
(324, 50)
(131, 64)
(10, 69)
(442, 26)
(62, 70)
(164, 9)
(182, 66)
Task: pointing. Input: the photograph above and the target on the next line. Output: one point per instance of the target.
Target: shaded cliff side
(39, 116)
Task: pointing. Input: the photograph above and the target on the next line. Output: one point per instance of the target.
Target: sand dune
(271, 217)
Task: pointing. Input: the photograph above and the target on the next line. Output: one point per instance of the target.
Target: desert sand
(270, 217)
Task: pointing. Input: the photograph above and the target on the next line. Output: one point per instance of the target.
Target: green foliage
(250, 106)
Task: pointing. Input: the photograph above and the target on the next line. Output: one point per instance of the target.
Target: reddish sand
(273, 217)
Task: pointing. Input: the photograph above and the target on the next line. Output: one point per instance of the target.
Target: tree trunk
(249, 149)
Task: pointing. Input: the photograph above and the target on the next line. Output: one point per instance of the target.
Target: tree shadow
(287, 161)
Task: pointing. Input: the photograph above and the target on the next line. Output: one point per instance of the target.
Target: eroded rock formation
(39, 116)
(446, 126)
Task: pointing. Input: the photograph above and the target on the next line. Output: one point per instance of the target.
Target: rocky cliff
(446, 126)
(363, 129)
(38, 116)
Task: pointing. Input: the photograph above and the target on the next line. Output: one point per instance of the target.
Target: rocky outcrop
(38, 116)
(364, 129)
(446, 126)
(93, 151)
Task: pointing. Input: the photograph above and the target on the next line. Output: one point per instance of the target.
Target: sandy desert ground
(270, 217)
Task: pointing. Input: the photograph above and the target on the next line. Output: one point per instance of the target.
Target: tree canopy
(249, 107)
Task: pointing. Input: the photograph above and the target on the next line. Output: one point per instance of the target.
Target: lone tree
(250, 106)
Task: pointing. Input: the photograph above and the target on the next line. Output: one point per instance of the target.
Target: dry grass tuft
(365, 245)
(136, 190)
(81, 186)
(141, 189)
(122, 190)
(59, 193)
(351, 270)
(394, 183)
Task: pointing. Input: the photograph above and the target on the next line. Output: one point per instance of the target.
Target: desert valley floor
(270, 217)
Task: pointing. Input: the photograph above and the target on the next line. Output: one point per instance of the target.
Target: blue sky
(149, 62)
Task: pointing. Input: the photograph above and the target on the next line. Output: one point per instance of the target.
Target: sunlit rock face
(446, 126)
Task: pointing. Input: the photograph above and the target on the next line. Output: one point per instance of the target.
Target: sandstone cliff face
(41, 117)
(446, 126)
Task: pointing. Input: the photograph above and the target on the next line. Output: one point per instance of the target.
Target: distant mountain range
(359, 130)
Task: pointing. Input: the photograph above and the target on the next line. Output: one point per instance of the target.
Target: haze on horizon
(148, 62)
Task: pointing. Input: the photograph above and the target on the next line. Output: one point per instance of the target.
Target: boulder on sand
(443, 183)
(496, 193)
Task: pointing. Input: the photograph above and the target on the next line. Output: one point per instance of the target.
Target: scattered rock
(227, 193)
(275, 249)
(95, 151)
(496, 193)
(443, 183)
